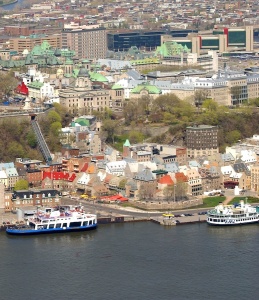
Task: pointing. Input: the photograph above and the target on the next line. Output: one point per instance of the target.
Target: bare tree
(199, 97)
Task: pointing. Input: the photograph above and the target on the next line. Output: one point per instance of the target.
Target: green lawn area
(211, 201)
(250, 200)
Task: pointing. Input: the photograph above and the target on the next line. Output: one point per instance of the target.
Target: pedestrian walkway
(227, 200)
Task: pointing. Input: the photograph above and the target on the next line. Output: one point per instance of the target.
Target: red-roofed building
(22, 89)
(180, 177)
(164, 182)
(58, 180)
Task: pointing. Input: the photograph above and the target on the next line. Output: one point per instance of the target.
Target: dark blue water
(133, 261)
(12, 5)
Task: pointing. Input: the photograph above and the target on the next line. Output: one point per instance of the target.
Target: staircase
(41, 141)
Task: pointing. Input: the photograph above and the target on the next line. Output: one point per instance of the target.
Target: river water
(132, 261)
(12, 5)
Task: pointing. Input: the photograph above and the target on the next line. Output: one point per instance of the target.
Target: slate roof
(145, 175)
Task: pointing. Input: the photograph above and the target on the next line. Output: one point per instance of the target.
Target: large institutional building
(87, 41)
(22, 43)
(221, 40)
(82, 97)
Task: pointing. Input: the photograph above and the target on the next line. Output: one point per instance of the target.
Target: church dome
(83, 72)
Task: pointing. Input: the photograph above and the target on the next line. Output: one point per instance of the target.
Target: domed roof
(83, 72)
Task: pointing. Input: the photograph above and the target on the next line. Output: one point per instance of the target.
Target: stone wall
(167, 205)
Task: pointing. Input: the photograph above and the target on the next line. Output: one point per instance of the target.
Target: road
(115, 209)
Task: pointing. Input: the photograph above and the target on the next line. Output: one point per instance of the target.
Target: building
(22, 43)
(222, 40)
(201, 140)
(87, 42)
(83, 97)
(25, 30)
(172, 53)
(149, 40)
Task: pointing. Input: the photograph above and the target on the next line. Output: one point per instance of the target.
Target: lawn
(211, 201)
(250, 200)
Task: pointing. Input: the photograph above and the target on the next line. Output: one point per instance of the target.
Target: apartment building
(201, 140)
(87, 41)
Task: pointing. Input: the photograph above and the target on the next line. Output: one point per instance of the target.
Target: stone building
(201, 140)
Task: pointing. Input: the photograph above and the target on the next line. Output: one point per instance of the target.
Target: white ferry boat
(242, 213)
(59, 219)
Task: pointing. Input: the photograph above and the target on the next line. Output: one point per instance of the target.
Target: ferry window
(51, 225)
(75, 224)
(85, 223)
(90, 222)
(58, 225)
(45, 226)
(64, 224)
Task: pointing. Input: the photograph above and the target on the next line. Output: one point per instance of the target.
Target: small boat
(239, 214)
(56, 220)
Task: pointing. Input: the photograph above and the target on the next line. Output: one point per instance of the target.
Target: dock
(179, 220)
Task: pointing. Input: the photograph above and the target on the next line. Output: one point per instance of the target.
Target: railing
(41, 141)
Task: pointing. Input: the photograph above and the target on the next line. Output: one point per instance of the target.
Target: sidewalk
(8, 217)
(227, 200)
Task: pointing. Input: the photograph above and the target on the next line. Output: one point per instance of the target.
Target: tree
(136, 137)
(31, 139)
(21, 184)
(199, 97)
(64, 114)
(53, 116)
(111, 128)
(55, 128)
(7, 84)
(210, 105)
(15, 150)
(233, 136)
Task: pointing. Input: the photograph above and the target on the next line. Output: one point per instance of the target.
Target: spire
(127, 143)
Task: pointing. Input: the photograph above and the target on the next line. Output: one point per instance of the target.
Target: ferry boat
(54, 220)
(242, 213)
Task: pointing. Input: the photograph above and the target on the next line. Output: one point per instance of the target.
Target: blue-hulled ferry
(56, 220)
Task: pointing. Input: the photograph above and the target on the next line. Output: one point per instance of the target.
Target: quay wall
(167, 205)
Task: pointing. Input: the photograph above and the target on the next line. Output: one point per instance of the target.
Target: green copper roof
(117, 87)
(69, 61)
(127, 143)
(75, 72)
(35, 84)
(152, 89)
(94, 76)
(82, 122)
(170, 48)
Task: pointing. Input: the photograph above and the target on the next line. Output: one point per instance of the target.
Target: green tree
(55, 128)
(15, 149)
(31, 139)
(53, 116)
(210, 105)
(233, 136)
(136, 137)
(65, 115)
(21, 184)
